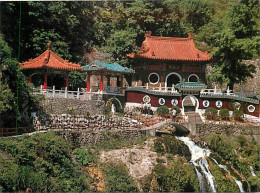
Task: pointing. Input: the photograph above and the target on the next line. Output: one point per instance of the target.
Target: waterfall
(239, 183)
(198, 160)
(201, 181)
(252, 171)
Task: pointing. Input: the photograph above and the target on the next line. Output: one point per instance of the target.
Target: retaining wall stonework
(61, 106)
(79, 138)
(203, 130)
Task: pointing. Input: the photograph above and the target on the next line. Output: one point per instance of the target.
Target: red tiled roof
(170, 48)
(49, 59)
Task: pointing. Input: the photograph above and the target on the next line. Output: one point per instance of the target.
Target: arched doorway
(190, 103)
(117, 104)
(193, 78)
(172, 78)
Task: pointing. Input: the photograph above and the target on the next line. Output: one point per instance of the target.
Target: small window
(153, 78)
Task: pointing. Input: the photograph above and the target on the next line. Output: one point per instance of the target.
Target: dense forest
(229, 30)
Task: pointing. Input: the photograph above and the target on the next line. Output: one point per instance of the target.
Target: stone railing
(155, 90)
(79, 94)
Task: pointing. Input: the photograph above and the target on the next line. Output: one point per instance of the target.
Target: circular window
(174, 102)
(205, 103)
(146, 99)
(161, 101)
(219, 104)
(251, 108)
(153, 78)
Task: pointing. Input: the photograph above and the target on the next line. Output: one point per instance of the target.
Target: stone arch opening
(117, 103)
(193, 78)
(190, 103)
(172, 78)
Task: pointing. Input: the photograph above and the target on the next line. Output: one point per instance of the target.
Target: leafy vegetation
(238, 114)
(239, 151)
(169, 144)
(42, 163)
(224, 184)
(178, 110)
(211, 113)
(224, 113)
(175, 177)
(118, 179)
(14, 105)
(162, 110)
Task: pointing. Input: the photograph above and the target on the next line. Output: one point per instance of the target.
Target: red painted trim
(101, 81)
(45, 81)
(88, 83)
(30, 79)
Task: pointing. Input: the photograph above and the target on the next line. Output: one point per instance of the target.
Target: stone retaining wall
(203, 130)
(81, 137)
(88, 123)
(61, 106)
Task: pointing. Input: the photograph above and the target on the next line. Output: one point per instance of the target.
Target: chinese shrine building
(168, 60)
(171, 71)
(49, 64)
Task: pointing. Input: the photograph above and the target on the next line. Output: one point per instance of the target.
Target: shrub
(211, 113)
(176, 108)
(118, 179)
(238, 115)
(174, 177)
(71, 111)
(224, 113)
(84, 156)
(162, 110)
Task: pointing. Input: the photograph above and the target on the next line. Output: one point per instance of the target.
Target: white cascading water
(239, 183)
(252, 171)
(198, 159)
(201, 181)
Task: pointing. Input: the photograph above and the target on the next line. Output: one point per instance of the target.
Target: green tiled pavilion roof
(192, 85)
(115, 67)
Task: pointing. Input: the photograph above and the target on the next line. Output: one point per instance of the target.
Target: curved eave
(249, 100)
(175, 59)
(55, 68)
(103, 69)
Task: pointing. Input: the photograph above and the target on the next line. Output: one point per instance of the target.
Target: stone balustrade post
(66, 92)
(53, 92)
(78, 94)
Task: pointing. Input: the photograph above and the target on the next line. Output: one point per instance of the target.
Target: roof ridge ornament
(148, 34)
(48, 46)
(190, 36)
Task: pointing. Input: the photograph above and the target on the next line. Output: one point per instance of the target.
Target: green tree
(8, 91)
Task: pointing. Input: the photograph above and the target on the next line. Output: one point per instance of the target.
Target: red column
(122, 81)
(88, 82)
(67, 81)
(101, 81)
(45, 81)
(30, 79)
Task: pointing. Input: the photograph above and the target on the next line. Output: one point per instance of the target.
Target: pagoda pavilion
(48, 63)
(108, 70)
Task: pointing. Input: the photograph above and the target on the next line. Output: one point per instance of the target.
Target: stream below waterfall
(198, 159)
